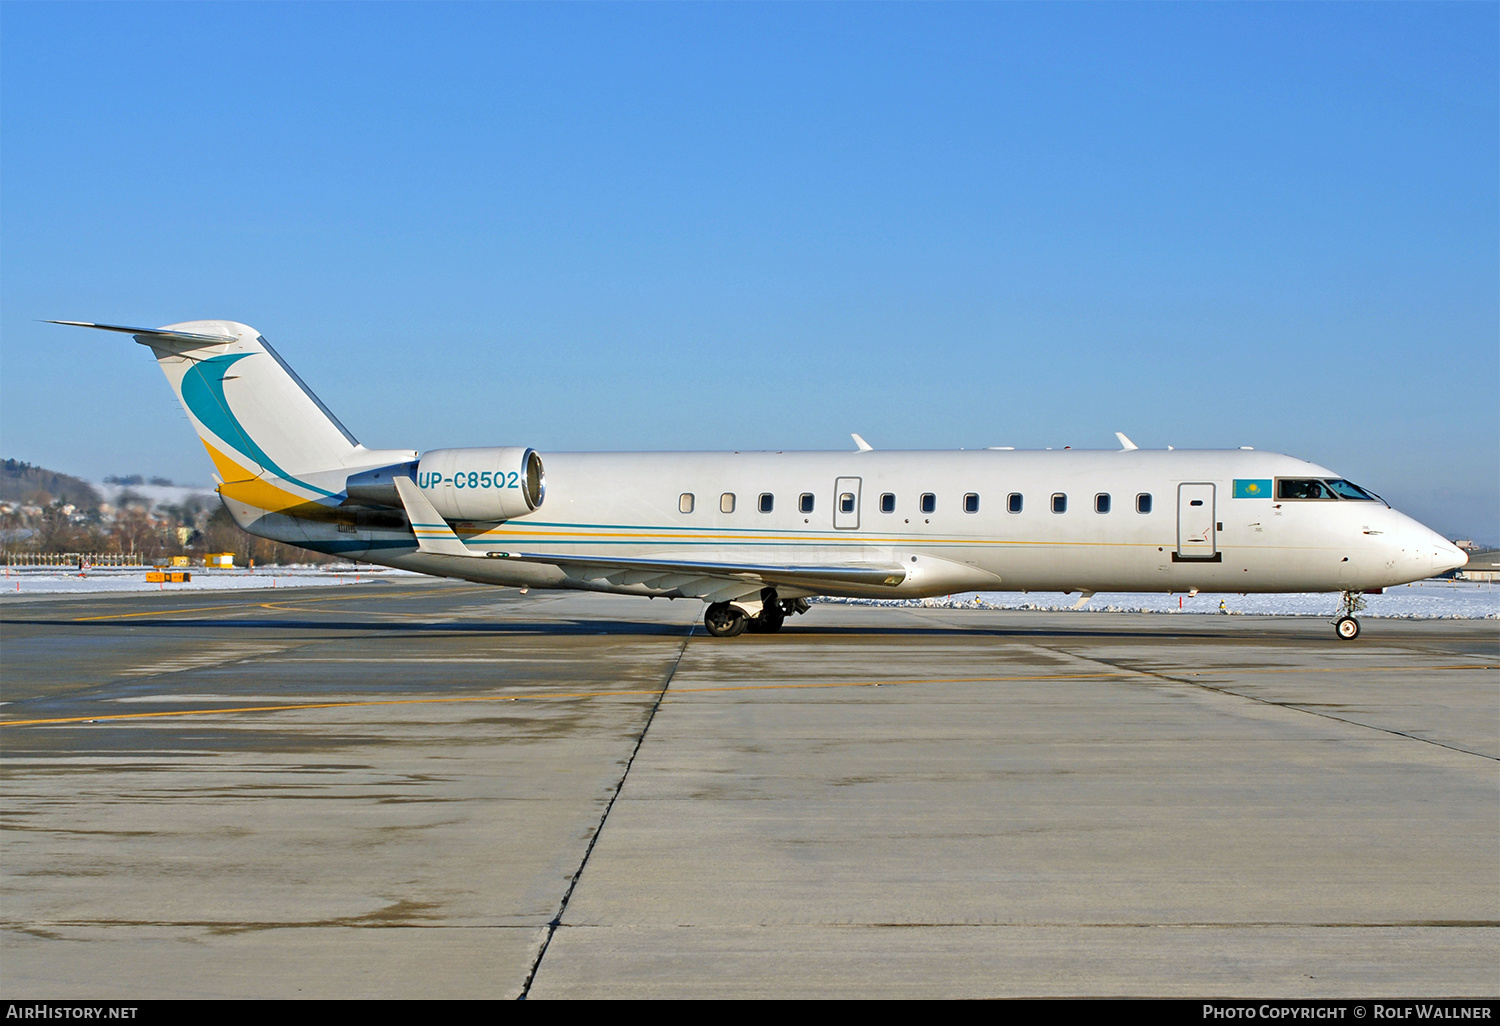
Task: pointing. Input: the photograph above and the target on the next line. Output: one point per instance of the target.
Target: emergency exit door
(846, 503)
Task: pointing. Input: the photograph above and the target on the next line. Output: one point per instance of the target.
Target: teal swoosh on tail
(203, 393)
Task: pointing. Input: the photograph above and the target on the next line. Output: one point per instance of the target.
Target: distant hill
(21, 482)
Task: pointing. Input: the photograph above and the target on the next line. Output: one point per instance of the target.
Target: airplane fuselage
(753, 534)
(1054, 520)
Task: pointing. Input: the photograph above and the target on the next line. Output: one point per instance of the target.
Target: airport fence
(28, 559)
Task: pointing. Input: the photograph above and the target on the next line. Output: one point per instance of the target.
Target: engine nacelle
(482, 484)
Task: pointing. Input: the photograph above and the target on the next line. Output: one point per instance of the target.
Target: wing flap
(701, 579)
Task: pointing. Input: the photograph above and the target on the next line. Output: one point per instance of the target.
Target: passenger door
(1196, 538)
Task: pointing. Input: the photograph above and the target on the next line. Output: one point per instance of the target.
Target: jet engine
(482, 484)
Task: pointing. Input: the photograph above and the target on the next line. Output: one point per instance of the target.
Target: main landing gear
(1346, 625)
(724, 620)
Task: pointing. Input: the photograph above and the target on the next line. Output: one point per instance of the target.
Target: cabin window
(1143, 502)
(846, 502)
(805, 502)
(685, 502)
(767, 501)
(888, 503)
(1101, 502)
(929, 502)
(1059, 502)
(1013, 502)
(971, 503)
(1301, 488)
(726, 502)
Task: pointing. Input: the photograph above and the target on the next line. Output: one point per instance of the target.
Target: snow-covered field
(1423, 600)
(60, 580)
(156, 495)
(1465, 600)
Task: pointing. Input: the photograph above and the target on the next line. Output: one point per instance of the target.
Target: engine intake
(482, 484)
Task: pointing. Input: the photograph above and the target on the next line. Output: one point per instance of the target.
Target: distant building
(1484, 565)
(219, 559)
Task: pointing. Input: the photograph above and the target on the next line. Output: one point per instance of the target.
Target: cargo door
(1196, 538)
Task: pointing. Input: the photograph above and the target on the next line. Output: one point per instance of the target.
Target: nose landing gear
(1346, 626)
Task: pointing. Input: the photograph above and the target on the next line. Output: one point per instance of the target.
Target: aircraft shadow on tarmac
(629, 628)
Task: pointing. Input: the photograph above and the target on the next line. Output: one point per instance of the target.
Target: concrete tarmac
(431, 789)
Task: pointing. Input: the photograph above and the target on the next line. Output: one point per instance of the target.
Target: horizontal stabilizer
(160, 334)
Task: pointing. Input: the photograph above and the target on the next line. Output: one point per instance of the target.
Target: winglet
(432, 531)
(1125, 444)
(863, 445)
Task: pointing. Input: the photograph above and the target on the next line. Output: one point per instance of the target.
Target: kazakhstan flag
(1252, 488)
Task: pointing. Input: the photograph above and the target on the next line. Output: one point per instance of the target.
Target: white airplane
(755, 534)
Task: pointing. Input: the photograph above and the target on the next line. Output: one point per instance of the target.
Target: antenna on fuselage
(863, 445)
(1125, 444)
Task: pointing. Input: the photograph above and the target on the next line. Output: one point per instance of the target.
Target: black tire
(724, 621)
(766, 623)
(1347, 627)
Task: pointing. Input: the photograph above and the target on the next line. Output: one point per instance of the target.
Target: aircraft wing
(711, 581)
(714, 581)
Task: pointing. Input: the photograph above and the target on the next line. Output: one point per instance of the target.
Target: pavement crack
(1307, 708)
(562, 907)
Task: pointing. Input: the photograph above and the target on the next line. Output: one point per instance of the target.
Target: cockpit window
(1302, 488)
(1310, 488)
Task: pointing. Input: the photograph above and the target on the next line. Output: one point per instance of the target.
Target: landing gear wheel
(1347, 627)
(767, 622)
(724, 621)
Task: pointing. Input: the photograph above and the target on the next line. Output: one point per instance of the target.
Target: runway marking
(160, 612)
(544, 696)
(197, 661)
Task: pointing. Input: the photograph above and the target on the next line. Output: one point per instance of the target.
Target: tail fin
(262, 426)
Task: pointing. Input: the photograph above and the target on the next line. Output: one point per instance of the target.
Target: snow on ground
(1465, 600)
(61, 581)
(156, 495)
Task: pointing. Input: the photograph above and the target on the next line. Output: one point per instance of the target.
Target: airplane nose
(1447, 556)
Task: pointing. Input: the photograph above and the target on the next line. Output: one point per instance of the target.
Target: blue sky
(622, 226)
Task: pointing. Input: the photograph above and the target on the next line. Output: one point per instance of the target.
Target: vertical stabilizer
(249, 408)
(272, 442)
